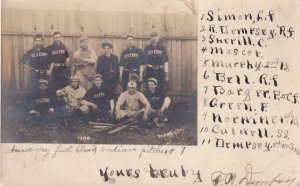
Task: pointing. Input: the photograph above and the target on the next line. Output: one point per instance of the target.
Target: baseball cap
(130, 35)
(97, 76)
(43, 81)
(74, 78)
(154, 34)
(106, 44)
(83, 38)
(153, 80)
(131, 84)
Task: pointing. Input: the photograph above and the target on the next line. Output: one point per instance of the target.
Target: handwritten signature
(250, 177)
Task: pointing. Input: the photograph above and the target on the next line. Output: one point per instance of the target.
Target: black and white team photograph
(99, 72)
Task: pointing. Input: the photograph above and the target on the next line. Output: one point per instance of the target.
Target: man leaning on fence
(108, 67)
(157, 62)
(39, 60)
(60, 57)
(84, 63)
(131, 63)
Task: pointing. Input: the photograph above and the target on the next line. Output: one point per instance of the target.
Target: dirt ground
(181, 129)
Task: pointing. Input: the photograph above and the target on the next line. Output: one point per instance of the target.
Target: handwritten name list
(246, 103)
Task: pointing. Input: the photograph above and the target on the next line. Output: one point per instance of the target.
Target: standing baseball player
(157, 65)
(158, 101)
(108, 67)
(84, 63)
(60, 57)
(131, 63)
(41, 104)
(100, 100)
(72, 96)
(38, 60)
(128, 104)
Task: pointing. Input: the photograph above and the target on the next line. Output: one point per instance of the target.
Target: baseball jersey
(38, 59)
(132, 58)
(156, 55)
(41, 102)
(131, 102)
(74, 96)
(155, 99)
(59, 52)
(100, 97)
(85, 68)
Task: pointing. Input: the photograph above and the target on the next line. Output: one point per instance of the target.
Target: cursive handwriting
(250, 178)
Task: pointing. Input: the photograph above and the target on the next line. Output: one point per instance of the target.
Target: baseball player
(41, 104)
(60, 57)
(84, 63)
(72, 96)
(157, 65)
(131, 63)
(38, 60)
(108, 67)
(158, 101)
(99, 99)
(128, 103)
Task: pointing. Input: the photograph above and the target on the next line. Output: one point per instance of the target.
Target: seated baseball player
(72, 96)
(100, 100)
(158, 101)
(128, 104)
(41, 106)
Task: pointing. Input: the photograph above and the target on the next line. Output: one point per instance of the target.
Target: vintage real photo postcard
(99, 72)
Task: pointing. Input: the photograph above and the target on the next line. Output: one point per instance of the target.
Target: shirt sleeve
(52, 97)
(83, 92)
(142, 57)
(122, 59)
(87, 96)
(146, 55)
(32, 105)
(76, 54)
(143, 99)
(98, 66)
(26, 57)
(50, 57)
(115, 65)
(93, 55)
(110, 94)
(66, 53)
(165, 55)
(120, 101)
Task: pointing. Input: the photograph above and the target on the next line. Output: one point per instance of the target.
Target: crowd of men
(90, 91)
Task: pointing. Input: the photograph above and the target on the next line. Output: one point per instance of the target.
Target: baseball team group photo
(93, 76)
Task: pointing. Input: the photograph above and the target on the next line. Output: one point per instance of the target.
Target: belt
(155, 66)
(59, 65)
(39, 71)
(131, 70)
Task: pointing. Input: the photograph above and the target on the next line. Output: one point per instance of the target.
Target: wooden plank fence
(179, 36)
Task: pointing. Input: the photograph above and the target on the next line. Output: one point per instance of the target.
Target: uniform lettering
(131, 55)
(39, 54)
